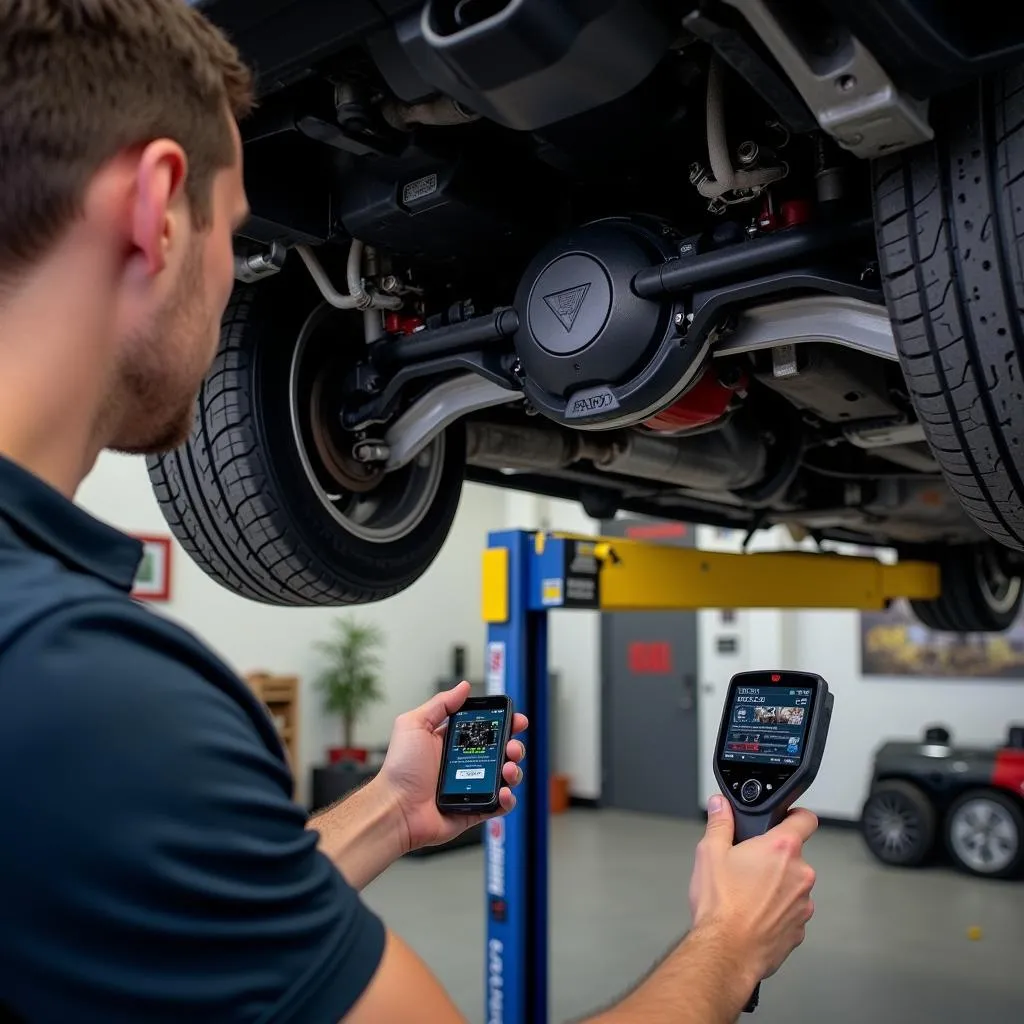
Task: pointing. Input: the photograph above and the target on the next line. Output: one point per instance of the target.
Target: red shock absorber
(706, 401)
(791, 213)
(398, 323)
(794, 212)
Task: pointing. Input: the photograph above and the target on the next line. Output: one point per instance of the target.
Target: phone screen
(474, 754)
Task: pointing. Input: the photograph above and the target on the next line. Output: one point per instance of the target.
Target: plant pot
(559, 794)
(336, 754)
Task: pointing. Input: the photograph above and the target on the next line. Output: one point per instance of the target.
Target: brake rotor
(334, 447)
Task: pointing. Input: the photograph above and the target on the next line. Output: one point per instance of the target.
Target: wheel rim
(381, 509)
(892, 827)
(999, 589)
(984, 836)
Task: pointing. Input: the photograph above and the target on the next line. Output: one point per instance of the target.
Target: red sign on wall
(656, 531)
(650, 658)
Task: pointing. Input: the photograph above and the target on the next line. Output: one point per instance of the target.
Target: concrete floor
(885, 946)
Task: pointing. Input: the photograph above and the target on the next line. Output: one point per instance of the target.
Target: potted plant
(351, 680)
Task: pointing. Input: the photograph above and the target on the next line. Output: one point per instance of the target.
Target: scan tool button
(750, 791)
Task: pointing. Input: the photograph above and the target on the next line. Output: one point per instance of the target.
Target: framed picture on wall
(895, 643)
(153, 580)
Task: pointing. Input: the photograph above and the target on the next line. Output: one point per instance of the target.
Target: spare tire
(264, 496)
(898, 823)
(949, 221)
(985, 833)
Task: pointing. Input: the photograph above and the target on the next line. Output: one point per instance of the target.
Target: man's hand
(756, 894)
(410, 770)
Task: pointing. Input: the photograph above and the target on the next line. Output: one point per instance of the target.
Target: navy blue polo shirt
(153, 865)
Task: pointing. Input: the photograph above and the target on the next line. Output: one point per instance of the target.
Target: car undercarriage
(655, 257)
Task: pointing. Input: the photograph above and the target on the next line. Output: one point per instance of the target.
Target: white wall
(421, 625)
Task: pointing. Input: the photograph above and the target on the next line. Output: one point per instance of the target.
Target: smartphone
(474, 752)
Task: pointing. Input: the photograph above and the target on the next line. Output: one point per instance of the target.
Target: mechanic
(154, 866)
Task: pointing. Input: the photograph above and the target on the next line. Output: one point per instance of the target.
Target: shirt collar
(49, 522)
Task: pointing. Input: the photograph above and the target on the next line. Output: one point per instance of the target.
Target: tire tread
(217, 492)
(950, 217)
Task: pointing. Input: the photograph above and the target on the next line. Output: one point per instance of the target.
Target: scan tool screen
(767, 725)
(473, 754)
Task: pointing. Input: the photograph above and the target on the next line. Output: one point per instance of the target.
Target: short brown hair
(82, 80)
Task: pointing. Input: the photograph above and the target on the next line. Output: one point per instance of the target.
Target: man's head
(118, 147)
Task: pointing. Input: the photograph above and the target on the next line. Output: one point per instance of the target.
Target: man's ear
(159, 201)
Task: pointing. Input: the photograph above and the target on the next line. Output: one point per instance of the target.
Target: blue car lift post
(526, 575)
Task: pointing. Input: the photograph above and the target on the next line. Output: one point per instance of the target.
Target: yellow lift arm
(617, 575)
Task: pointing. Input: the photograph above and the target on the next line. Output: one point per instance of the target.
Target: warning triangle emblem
(567, 304)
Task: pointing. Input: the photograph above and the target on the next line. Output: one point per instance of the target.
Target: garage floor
(889, 947)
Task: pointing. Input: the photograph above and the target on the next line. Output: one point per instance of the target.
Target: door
(649, 697)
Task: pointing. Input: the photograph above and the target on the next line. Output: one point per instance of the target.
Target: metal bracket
(492, 366)
(249, 269)
(851, 96)
(830, 319)
(438, 409)
(883, 435)
(710, 308)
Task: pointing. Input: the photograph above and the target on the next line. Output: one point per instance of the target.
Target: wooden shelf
(280, 696)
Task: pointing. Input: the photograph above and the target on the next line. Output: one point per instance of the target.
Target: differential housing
(594, 354)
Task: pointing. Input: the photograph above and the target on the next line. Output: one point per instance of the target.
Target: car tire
(949, 222)
(978, 594)
(984, 832)
(249, 503)
(898, 823)
(932, 615)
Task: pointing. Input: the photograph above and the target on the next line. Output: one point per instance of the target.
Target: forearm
(363, 834)
(706, 979)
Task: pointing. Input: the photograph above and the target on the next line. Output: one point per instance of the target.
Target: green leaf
(351, 679)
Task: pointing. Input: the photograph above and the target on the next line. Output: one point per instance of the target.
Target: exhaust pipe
(722, 460)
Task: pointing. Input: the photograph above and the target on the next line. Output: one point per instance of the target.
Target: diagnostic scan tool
(770, 745)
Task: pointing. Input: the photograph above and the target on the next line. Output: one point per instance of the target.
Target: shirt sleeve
(155, 867)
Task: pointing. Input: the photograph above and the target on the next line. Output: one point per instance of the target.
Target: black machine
(770, 745)
(932, 795)
(474, 753)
